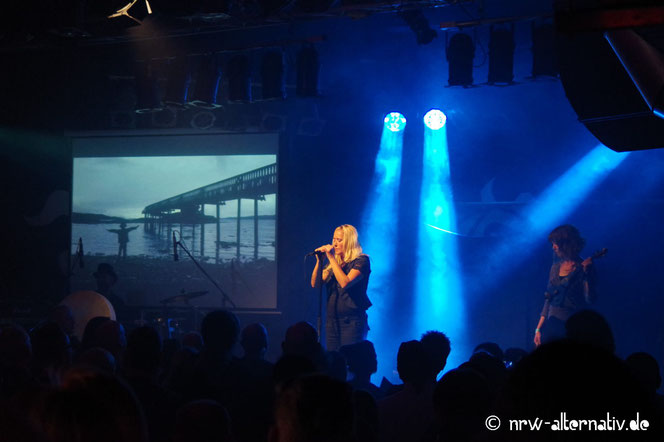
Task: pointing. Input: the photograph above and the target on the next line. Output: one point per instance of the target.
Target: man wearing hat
(106, 279)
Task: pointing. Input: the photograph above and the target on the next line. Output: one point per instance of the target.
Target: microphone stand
(224, 297)
(78, 260)
(319, 281)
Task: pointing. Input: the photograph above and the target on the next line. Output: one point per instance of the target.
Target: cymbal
(184, 297)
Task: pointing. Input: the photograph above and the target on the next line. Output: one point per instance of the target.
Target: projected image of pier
(221, 208)
(227, 233)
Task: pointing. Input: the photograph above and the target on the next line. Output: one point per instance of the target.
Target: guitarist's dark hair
(568, 239)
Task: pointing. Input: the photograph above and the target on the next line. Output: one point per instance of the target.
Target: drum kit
(174, 318)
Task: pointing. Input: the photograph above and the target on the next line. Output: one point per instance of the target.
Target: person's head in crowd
(254, 341)
(461, 401)
(193, 340)
(566, 241)
(179, 375)
(512, 356)
(290, 366)
(437, 345)
(645, 369)
(313, 408)
(16, 426)
(490, 367)
(89, 333)
(105, 277)
(15, 347)
(585, 381)
(51, 350)
(92, 406)
(361, 359)
(111, 336)
(335, 365)
(590, 327)
(97, 358)
(143, 352)
(490, 348)
(301, 338)
(202, 421)
(220, 330)
(414, 365)
(63, 316)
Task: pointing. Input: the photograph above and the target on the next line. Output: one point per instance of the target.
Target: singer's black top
(567, 294)
(351, 300)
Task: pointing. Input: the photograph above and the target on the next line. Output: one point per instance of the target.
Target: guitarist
(571, 284)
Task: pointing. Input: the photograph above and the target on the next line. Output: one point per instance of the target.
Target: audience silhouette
(140, 389)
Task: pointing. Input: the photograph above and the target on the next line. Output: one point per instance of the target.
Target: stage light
(439, 301)
(460, 55)
(308, 68)
(501, 55)
(148, 95)
(418, 23)
(272, 76)
(179, 81)
(379, 230)
(435, 119)
(206, 87)
(203, 120)
(395, 122)
(239, 79)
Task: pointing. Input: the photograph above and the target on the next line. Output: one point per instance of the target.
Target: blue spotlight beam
(379, 233)
(554, 205)
(438, 286)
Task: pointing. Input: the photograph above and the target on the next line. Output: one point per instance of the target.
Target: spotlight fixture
(435, 119)
(501, 55)
(395, 122)
(239, 79)
(308, 68)
(207, 83)
(167, 117)
(272, 76)
(203, 120)
(460, 55)
(147, 89)
(418, 23)
(544, 50)
(179, 81)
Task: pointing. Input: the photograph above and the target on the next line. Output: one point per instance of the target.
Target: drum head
(85, 305)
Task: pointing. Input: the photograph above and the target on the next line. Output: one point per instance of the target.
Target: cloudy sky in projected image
(124, 186)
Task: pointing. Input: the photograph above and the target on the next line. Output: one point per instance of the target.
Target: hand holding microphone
(326, 248)
(321, 251)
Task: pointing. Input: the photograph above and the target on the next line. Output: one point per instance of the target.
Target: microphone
(315, 253)
(80, 253)
(175, 249)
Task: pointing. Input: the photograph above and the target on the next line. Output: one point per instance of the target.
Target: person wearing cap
(106, 279)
